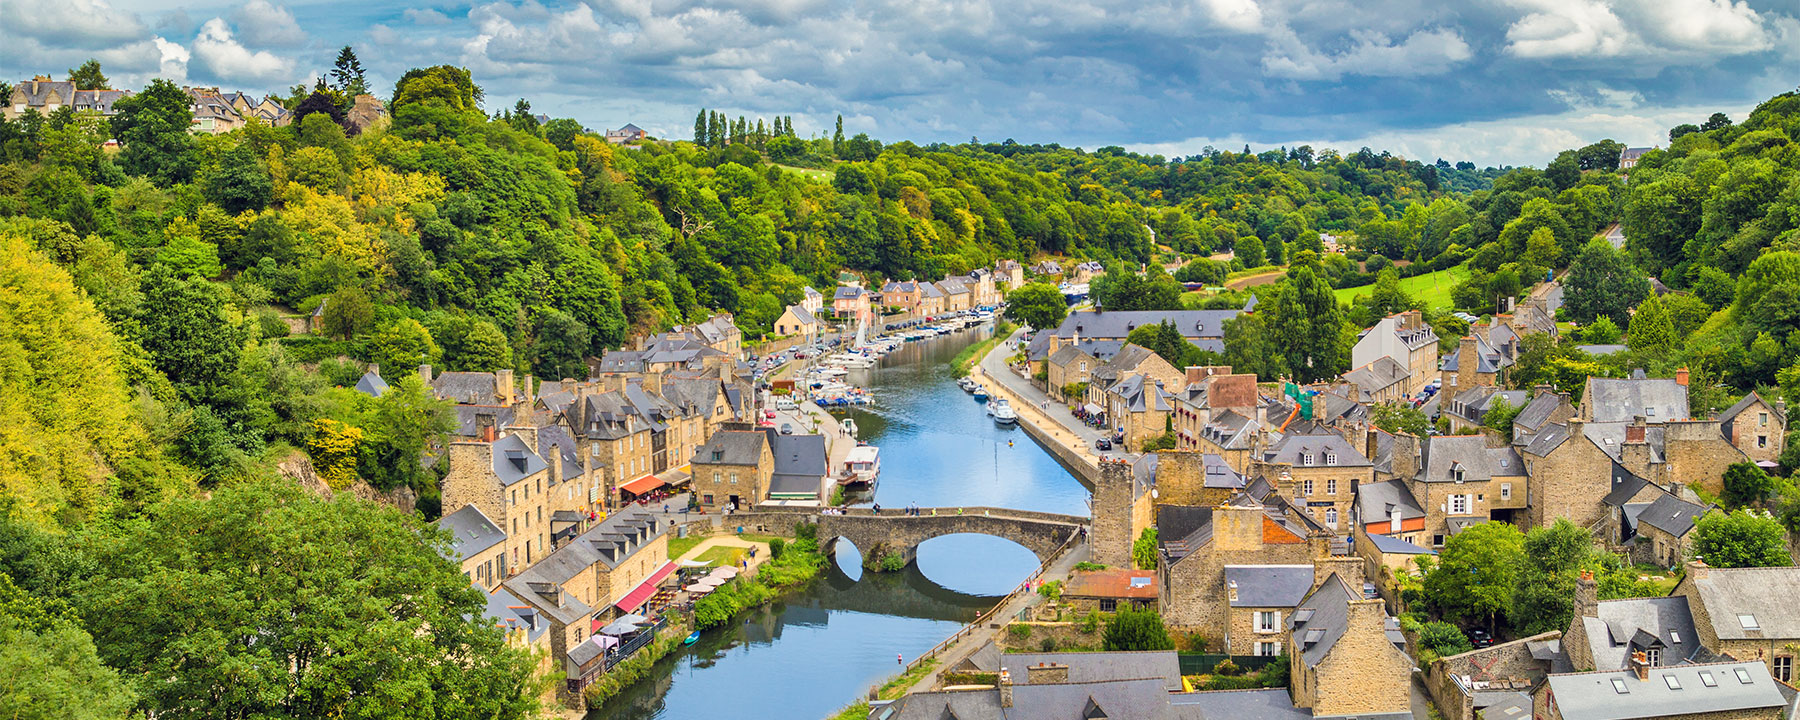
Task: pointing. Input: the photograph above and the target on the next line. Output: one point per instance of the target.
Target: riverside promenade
(1047, 420)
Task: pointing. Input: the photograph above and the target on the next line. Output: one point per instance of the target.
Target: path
(1059, 569)
(1254, 280)
(762, 549)
(1046, 414)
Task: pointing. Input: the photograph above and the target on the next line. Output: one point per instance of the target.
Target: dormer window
(1306, 459)
(1330, 458)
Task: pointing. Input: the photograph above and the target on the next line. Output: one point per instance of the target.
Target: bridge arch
(890, 540)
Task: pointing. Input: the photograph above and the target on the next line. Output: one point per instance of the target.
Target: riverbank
(789, 566)
(960, 365)
(1072, 446)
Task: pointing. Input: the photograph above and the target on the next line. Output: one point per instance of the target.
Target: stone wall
(1358, 676)
(903, 533)
(1066, 635)
(1506, 661)
(1698, 454)
(1569, 482)
(1750, 424)
(1113, 500)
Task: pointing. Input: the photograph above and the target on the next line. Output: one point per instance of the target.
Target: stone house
(1474, 363)
(213, 114)
(365, 111)
(1085, 272)
(903, 294)
(513, 486)
(1196, 543)
(1205, 329)
(1656, 400)
(1210, 389)
(1462, 482)
(799, 474)
(1756, 426)
(812, 300)
(1545, 407)
(41, 94)
(616, 440)
(1382, 380)
(719, 333)
(1108, 590)
(608, 571)
(1139, 406)
(1069, 366)
(1124, 505)
(1232, 435)
(1186, 477)
(733, 468)
(1712, 691)
(477, 546)
(1407, 340)
(1606, 635)
(1665, 527)
(1468, 408)
(797, 321)
(1129, 360)
(957, 294)
(1568, 476)
(1320, 472)
(1260, 600)
(1746, 613)
(1388, 508)
(1345, 659)
(1010, 273)
(626, 134)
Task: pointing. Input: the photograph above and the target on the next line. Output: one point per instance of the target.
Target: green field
(1433, 289)
(810, 173)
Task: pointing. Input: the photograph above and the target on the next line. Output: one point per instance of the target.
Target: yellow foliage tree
(328, 227)
(375, 186)
(333, 449)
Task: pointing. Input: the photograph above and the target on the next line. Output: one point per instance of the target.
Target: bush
(1132, 629)
(776, 546)
(1047, 644)
(1195, 642)
(893, 562)
(1089, 624)
(1227, 667)
(1444, 639)
(1085, 566)
(1052, 590)
(1018, 631)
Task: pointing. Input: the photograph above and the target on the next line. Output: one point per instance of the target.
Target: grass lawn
(680, 546)
(811, 173)
(1433, 289)
(723, 555)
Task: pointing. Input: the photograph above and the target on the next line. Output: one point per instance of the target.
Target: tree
(1475, 574)
(153, 128)
(407, 420)
(1651, 329)
(1718, 121)
(1444, 639)
(483, 349)
(1038, 305)
(1602, 281)
(1305, 324)
(701, 136)
(239, 182)
(1746, 484)
(1132, 629)
(561, 345)
(1682, 129)
(53, 672)
(1144, 549)
(1397, 418)
(380, 621)
(402, 343)
(88, 76)
(1740, 539)
(187, 333)
(521, 118)
(837, 138)
(561, 132)
(347, 75)
(1552, 556)
(1499, 416)
(316, 104)
(1601, 332)
(348, 313)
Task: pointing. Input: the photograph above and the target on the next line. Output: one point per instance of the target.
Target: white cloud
(1707, 26)
(1425, 52)
(263, 24)
(1239, 15)
(1568, 28)
(172, 60)
(87, 24)
(426, 16)
(1669, 30)
(228, 59)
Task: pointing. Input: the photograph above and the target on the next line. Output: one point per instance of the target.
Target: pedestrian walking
(899, 659)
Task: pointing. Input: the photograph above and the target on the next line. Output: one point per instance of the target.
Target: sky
(1495, 82)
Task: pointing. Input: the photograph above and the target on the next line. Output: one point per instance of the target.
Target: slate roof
(1473, 404)
(1619, 399)
(468, 418)
(800, 462)
(731, 447)
(514, 460)
(1764, 594)
(1230, 430)
(371, 384)
(1377, 375)
(1140, 395)
(1488, 359)
(1537, 412)
(610, 542)
(1635, 624)
(554, 438)
(1128, 359)
(1672, 515)
(1312, 450)
(1548, 439)
(1376, 502)
(1143, 699)
(1598, 695)
(474, 533)
(1182, 529)
(1219, 474)
(37, 92)
(1395, 546)
(508, 611)
(1266, 704)
(1087, 667)
(847, 293)
(467, 388)
(1117, 324)
(1624, 486)
(1321, 619)
(1442, 455)
(1268, 586)
(804, 316)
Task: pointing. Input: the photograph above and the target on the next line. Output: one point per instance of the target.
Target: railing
(624, 652)
(1024, 587)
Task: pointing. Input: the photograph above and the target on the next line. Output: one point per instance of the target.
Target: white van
(786, 404)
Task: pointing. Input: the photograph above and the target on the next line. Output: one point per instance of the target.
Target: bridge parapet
(900, 533)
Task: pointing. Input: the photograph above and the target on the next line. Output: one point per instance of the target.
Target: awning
(642, 485)
(635, 599)
(1091, 409)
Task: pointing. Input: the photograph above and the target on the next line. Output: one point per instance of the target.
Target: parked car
(1103, 444)
(787, 428)
(770, 414)
(1480, 638)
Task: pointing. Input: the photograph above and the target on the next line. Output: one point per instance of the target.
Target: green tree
(561, 132)
(1746, 484)
(1740, 539)
(1131, 629)
(1444, 639)
(1038, 305)
(190, 256)
(378, 622)
(1602, 282)
(1476, 573)
(53, 673)
(153, 128)
(406, 422)
(1651, 331)
(1546, 577)
(347, 75)
(701, 137)
(1144, 550)
(1603, 331)
(239, 182)
(88, 76)
(348, 313)
(560, 348)
(187, 332)
(1499, 416)
(1397, 418)
(401, 344)
(1305, 323)
(484, 349)
(837, 137)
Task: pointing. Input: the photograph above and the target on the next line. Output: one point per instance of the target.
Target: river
(826, 645)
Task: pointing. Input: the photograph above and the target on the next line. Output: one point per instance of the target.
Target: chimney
(503, 386)
(1634, 433)
(1697, 569)
(1006, 689)
(1046, 673)
(1231, 590)
(1347, 568)
(1640, 665)
(1587, 603)
(425, 374)
(375, 368)
(1681, 377)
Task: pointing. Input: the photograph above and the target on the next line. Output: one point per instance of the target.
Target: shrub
(1132, 629)
(1089, 624)
(1195, 642)
(1085, 566)
(776, 546)
(1047, 644)
(893, 562)
(1228, 668)
(1052, 590)
(1018, 631)
(1444, 639)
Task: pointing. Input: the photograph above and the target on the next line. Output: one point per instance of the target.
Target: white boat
(848, 426)
(851, 360)
(862, 468)
(1003, 412)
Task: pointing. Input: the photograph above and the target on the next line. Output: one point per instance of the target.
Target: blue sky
(1496, 82)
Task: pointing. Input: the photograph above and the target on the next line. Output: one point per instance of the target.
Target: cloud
(1568, 28)
(1668, 30)
(1426, 52)
(1239, 15)
(172, 60)
(227, 59)
(263, 24)
(426, 16)
(85, 24)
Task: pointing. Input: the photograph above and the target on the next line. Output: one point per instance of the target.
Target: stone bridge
(895, 532)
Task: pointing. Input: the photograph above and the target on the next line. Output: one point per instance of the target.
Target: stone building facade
(1198, 542)
(1756, 426)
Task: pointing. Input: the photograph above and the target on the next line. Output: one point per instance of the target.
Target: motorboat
(862, 468)
(981, 393)
(691, 638)
(1003, 412)
(848, 426)
(967, 383)
(855, 360)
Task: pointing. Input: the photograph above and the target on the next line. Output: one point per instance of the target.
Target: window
(715, 477)
(1437, 541)
(1306, 487)
(1331, 486)
(1330, 458)
(1653, 657)
(1743, 675)
(1331, 517)
(1505, 491)
(1108, 604)
(734, 477)
(1459, 505)
(1707, 679)
(707, 498)
(1306, 459)
(1268, 649)
(1672, 682)
(1084, 366)
(1762, 419)
(1748, 622)
(1762, 441)
(1674, 637)
(1619, 687)
(1784, 668)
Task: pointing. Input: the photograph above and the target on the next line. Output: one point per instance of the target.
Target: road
(993, 367)
(1059, 569)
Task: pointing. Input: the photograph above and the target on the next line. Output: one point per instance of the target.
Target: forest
(156, 363)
